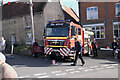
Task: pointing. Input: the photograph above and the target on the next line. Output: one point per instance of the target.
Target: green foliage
(22, 48)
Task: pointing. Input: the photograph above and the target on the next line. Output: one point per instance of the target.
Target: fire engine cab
(59, 39)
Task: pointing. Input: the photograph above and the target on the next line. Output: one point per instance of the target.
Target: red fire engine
(59, 39)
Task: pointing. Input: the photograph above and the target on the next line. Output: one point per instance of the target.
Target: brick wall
(106, 13)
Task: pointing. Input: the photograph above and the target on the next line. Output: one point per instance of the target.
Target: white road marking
(43, 76)
(73, 72)
(80, 68)
(60, 74)
(110, 67)
(24, 76)
(93, 66)
(39, 74)
(114, 64)
(70, 70)
(88, 70)
(105, 65)
(98, 68)
(56, 72)
(77, 71)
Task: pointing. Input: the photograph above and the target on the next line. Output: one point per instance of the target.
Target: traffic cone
(53, 61)
(108, 47)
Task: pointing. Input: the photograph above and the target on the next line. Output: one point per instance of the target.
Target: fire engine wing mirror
(44, 33)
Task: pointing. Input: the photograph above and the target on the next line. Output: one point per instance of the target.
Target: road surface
(41, 67)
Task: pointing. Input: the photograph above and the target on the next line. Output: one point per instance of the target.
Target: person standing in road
(78, 49)
(2, 45)
(94, 48)
(114, 45)
(35, 48)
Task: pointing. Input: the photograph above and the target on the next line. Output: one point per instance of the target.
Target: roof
(17, 9)
(70, 12)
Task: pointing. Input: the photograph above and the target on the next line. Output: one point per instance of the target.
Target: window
(79, 31)
(99, 32)
(116, 30)
(73, 31)
(29, 38)
(117, 9)
(92, 13)
(13, 38)
(27, 21)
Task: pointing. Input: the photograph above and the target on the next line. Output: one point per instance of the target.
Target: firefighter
(94, 48)
(78, 49)
(35, 45)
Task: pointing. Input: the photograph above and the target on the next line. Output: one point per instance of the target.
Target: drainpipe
(106, 23)
(79, 8)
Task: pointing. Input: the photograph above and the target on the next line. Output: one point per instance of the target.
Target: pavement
(41, 67)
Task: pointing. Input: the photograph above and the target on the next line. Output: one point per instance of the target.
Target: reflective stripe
(45, 50)
(66, 51)
(63, 52)
(48, 50)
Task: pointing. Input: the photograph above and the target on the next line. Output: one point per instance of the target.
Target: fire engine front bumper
(58, 52)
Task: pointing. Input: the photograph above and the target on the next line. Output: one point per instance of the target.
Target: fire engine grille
(56, 43)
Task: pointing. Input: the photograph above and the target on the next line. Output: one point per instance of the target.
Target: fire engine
(59, 39)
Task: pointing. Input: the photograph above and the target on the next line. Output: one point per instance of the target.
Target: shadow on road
(22, 61)
(42, 61)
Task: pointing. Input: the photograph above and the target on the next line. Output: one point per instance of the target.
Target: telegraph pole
(31, 12)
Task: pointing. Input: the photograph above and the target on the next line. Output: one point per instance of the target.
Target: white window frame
(116, 23)
(95, 25)
(92, 13)
(13, 38)
(27, 20)
(27, 41)
(117, 9)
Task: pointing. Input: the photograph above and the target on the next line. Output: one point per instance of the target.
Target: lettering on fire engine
(56, 24)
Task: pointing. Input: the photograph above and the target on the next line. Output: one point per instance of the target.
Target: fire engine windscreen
(57, 32)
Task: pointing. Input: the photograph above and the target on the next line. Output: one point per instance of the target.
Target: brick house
(104, 20)
(16, 20)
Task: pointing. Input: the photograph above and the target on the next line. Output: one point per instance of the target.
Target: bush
(22, 48)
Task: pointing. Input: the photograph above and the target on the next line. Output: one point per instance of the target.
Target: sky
(69, 3)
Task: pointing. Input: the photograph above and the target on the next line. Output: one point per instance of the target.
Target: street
(41, 67)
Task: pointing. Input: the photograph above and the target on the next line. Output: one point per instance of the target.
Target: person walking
(2, 45)
(78, 49)
(6, 71)
(114, 44)
(35, 48)
(94, 48)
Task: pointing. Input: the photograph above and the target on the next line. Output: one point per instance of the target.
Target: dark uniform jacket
(78, 46)
(114, 45)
